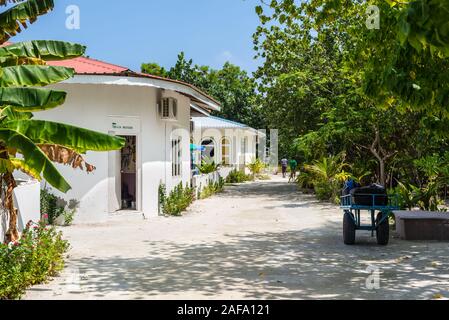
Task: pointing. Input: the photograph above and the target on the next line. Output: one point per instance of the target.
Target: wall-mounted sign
(125, 125)
(118, 126)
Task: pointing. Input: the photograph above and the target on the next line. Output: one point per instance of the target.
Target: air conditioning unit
(168, 109)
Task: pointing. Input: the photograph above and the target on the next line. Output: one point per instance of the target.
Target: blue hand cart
(374, 203)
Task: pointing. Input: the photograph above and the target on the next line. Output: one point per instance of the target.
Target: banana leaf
(32, 76)
(34, 158)
(21, 165)
(78, 139)
(5, 2)
(19, 61)
(14, 19)
(47, 50)
(12, 114)
(31, 99)
(6, 166)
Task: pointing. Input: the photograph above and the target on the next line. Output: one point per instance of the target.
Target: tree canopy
(373, 93)
(232, 86)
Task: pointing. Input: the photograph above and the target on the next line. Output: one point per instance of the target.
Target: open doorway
(129, 174)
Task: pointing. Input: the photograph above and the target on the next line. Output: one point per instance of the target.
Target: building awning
(198, 111)
(194, 147)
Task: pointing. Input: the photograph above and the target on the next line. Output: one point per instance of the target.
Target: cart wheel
(349, 229)
(383, 230)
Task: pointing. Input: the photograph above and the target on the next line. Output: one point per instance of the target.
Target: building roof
(197, 111)
(219, 123)
(89, 66)
(84, 65)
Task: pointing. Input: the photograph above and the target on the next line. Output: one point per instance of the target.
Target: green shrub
(69, 216)
(37, 256)
(327, 177)
(237, 176)
(426, 198)
(162, 196)
(206, 168)
(212, 188)
(323, 190)
(178, 200)
(256, 166)
(52, 207)
(49, 206)
(305, 180)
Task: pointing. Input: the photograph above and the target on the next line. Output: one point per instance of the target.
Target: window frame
(226, 143)
(176, 154)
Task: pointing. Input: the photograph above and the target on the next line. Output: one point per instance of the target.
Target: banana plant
(29, 145)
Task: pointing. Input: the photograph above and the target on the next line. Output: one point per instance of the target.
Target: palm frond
(65, 156)
(13, 20)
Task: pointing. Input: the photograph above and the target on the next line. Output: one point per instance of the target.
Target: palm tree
(29, 145)
(330, 169)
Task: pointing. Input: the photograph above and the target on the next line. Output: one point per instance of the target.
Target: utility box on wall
(27, 202)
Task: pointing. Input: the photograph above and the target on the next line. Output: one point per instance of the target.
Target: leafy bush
(212, 188)
(426, 198)
(178, 200)
(49, 206)
(37, 256)
(206, 167)
(256, 167)
(305, 180)
(53, 207)
(69, 216)
(326, 176)
(237, 176)
(162, 196)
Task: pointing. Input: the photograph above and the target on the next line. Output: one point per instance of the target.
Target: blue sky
(129, 33)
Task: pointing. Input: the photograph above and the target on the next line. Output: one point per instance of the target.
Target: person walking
(293, 167)
(284, 164)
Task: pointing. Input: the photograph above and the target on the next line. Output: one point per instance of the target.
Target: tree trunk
(12, 234)
(383, 179)
(381, 155)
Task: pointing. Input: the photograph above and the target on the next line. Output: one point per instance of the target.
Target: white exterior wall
(27, 202)
(97, 107)
(238, 157)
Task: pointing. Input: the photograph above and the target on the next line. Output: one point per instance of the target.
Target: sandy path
(255, 241)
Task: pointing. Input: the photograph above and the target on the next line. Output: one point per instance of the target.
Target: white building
(228, 143)
(154, 115)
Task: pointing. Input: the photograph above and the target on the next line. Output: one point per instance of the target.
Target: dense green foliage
(231, 86)
(208, 167)
(333, 86)
(238, 176)
(50, 210)
(212, 188)
(256, 166)
(177, 201)
(37, 256)
(53, 207)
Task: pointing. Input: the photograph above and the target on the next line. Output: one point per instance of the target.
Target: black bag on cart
(364, 196)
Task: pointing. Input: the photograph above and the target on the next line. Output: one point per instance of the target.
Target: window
(176, 157)
(226, 152)
(244, 150)
(208, 153)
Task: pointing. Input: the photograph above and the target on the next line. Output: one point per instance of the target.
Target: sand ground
(262, 240)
